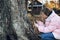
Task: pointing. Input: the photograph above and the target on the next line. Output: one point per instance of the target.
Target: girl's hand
(39, 23)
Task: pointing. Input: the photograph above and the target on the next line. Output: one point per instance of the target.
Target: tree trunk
(19, 15)
(7, 31)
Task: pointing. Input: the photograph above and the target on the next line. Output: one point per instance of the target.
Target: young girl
(51, 27)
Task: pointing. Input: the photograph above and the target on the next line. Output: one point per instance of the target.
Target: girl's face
(43, 16)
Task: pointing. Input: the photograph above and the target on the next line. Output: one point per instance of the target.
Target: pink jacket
(52, 24)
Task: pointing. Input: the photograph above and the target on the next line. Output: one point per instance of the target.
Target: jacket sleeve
(44, 29)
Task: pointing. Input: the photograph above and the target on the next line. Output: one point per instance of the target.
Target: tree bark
(19, 15)
(7, 31)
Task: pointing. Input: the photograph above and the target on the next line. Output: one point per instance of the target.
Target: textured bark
(19, 14)
(7, 31)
